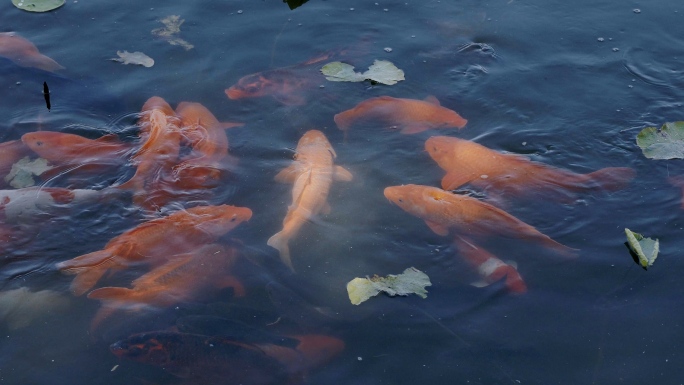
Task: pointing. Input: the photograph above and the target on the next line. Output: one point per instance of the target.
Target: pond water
(568, 84)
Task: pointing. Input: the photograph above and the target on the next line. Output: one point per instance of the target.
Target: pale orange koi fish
(410, 116)
(312, 173)
(468, 162)
(24, 53)
(153, 242)
(159, 152)
(443, 212)
(490, 268)
(209, 142)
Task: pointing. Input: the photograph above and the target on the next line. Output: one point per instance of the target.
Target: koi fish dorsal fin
(454, 179)
(432, 100)
(342, 174)
(438, 228)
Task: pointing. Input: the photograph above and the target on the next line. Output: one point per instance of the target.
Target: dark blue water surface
(568, 84)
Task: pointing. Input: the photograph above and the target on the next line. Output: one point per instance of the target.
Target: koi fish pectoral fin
(432, 100)
(290, 99)
(342, 174)
(112, 294)
(326, 209)
(288, 175)
(438, 228)
(413, 128)
(454, 179)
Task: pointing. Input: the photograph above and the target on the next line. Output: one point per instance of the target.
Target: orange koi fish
(24, 53)
(10, 153)
(154, 242)
(181, 279)
(74, 153)
(489, 267)
(468, 162)
(287, 85)
(408, 115)
(219, 360)
(209, 144)
(312, 173)
(443, 212)
(161, 137)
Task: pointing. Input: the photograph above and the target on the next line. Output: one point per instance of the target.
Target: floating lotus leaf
(382, 71)
(645, 248)
(138, 58)
(664, 143)
(38, 5)
(411, 281)
(24, 170)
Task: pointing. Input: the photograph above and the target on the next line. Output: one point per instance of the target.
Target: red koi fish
(154, 242)
(468, 162)
(312, 174)
(209, 143)
(183, 278)
(410, 116)
(218, 360)
(71, 153)
(489, 267)
(161, 142)
(444, 212)
(287, 85)
(10, 153)
(24, 53)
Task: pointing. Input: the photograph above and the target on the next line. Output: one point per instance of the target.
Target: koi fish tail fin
(611, 178)
(101, 316)
(344, 120)
(279, 243)
(86, 279)
(89, 268)
(514, 281)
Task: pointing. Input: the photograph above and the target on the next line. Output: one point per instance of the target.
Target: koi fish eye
(233, 218)
(39, 143)
(401, 200)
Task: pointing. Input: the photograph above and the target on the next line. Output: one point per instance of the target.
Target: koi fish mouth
(233, 93)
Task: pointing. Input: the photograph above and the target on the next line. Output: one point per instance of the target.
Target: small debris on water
(351, 9)
(359, 358)
(114, 368)
(637, 10)
(601, 39)
(388, 49)
(385, 9)
(616, 49)
(239, 12)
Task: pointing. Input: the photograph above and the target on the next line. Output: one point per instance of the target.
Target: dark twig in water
(46, 94)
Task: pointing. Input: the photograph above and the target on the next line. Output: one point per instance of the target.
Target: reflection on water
(186, 300)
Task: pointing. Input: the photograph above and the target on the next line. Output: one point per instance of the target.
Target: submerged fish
(74, 153)
(410, 116)
(19, 307)
(24, 206)
(468, 162)
(218, 360)
(443, 212)
(288, 85)
(312, 173)
(154, 242)
(183, 278)
(10, 153)
(24, 53)
(209, 142)
(160, 137)
(490, 268)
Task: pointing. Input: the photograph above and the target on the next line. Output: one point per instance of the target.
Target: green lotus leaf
(664, 143)
(382, 71)
(38, 5)
(411, 281)
(645, 248)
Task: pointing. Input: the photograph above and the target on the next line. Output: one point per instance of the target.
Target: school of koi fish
(182, 156)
